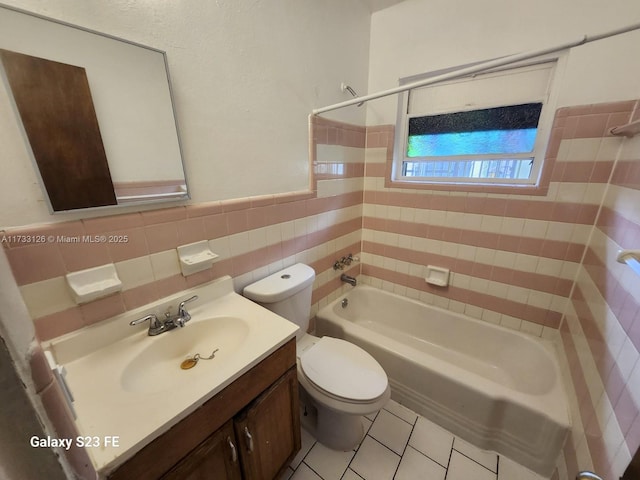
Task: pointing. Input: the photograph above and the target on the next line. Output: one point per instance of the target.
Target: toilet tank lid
(280, 285)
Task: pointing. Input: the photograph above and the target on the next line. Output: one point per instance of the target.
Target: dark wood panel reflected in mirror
(56, 108)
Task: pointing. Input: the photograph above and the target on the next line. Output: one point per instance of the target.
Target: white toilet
(340, 381)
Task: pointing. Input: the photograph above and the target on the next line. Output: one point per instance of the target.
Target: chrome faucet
(350, 280)
(157, 326)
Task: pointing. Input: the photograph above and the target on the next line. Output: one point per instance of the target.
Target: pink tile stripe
(582, 172)
(33, 260)
(331, 132)
(618, 228)
(505, 207)
(627, 174)
(593, 121)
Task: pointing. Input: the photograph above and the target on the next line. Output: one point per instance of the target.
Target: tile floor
(401, 445)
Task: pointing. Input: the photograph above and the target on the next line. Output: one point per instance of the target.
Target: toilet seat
(343, 370)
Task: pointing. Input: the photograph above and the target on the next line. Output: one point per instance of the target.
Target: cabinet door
(268, 431)
(215, 458)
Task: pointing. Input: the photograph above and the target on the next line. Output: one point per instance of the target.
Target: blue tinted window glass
(472, 143)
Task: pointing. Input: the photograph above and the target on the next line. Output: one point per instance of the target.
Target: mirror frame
(158, 199)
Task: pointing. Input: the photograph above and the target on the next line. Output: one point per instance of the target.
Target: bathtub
(496, 388)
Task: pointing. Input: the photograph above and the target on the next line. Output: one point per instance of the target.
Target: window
(487, 129)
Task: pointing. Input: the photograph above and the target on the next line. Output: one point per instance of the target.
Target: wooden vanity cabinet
(216, 457)
(250, 430)
(268, 431)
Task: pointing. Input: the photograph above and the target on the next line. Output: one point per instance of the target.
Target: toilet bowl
(340, 381)
(343, 383)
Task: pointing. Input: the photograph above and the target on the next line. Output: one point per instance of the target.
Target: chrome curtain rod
(481, 67)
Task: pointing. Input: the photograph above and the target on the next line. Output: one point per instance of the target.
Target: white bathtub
(496, 388)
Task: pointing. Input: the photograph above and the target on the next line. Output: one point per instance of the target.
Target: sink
(157, 367)
(129, 384)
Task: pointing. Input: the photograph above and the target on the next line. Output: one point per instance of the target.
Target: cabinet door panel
(269, 430)
(216, 457)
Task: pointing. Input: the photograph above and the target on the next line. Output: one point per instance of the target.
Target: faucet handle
(155, 326)
(151, 317)
(184, 316)
(181, 306)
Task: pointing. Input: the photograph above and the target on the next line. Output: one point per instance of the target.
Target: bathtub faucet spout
(350, 280)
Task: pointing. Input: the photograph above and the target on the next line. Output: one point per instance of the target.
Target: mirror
(129, 89)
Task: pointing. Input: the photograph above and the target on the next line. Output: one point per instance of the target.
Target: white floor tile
(401, 411)
(307, 442)
(510, 470)
(305, 473)
(329, 464)
(415, 465)
(483, 457)
(463, 468)
(351, 475)
(391, 431)
(375, 461)
(433, 441)
(431, 450)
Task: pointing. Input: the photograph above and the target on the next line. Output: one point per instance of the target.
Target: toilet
(340, 381)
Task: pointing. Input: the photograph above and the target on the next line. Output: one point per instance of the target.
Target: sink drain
(193, 361)
(188, 363)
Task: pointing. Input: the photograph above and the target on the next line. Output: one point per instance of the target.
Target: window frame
(538, 181)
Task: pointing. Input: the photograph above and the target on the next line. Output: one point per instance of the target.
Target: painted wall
(418, 36)
(245, 76)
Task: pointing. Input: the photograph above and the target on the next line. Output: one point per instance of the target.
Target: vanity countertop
(129, 386)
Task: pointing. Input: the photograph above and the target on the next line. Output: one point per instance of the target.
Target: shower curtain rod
(480, 67)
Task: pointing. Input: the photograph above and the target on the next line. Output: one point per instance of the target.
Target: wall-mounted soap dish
(195, 257)
(93, 283)
(437, 276)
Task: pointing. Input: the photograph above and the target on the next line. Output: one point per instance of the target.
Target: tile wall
(514, 258)
(601, 334)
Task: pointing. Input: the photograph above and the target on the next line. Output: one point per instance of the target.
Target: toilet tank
(287, 293)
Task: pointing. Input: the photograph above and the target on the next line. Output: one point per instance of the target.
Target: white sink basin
(128, 384)
(157, 367)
